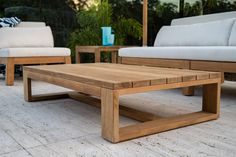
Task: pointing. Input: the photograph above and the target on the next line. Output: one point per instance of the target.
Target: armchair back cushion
(26, 37)
(31, 24)
(203, 34)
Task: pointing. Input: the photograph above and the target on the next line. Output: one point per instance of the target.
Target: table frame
(110, 107)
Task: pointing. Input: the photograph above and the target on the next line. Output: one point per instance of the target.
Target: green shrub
(90, 23)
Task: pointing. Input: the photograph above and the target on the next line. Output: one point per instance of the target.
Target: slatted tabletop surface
(118, 76)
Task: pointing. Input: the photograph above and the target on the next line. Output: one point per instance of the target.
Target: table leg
(222, 77)
(211, 98)
(188, 91)
(114, 57)
(77, 57)
(110, 115)
(97, 56)
(27, 87)
(10, 71)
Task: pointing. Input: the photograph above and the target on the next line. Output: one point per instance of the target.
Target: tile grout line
(18, 143)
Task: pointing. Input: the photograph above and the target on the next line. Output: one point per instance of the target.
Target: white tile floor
(66, 127)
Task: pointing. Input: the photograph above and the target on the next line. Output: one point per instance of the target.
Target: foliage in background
(90, 22)
(60, 14)
(202, 7)
(61, 22)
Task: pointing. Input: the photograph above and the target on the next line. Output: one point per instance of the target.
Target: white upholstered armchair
(29, 43)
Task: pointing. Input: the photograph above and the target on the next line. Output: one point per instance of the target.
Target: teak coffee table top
(118, 76)
(110, 81)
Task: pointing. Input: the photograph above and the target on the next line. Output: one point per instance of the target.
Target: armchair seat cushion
(34, 52)
(204, 53)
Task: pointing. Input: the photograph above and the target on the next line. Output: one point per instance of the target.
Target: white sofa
(202, 43)
(29, 43)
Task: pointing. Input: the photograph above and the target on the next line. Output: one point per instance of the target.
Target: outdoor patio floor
(67, 127)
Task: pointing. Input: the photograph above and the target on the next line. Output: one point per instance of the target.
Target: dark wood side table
(97, 52)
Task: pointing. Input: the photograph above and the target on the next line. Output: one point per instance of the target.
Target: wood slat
(187, 75)
(99, 77)
(167, 86)
(117, 76)
(171, 77)
(139, 78)
(200, 74)
(80, 74)
(156, 77)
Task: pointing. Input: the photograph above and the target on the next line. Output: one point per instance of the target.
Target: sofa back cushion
(26, 37)
(203, 34)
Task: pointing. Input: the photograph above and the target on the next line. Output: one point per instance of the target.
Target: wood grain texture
(164, 124)
(214, 66)
(211, 98)
(110, 81)
(10, 71)
(217, 66)
(167, 63)
(166, 86)
(27, 87)
(118, 76)
(188, 91)
(186, 64)
(39, 60)
(110, 115)
(12, 61)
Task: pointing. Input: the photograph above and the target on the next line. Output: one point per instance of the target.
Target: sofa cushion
(26, 37)
(34, 52)
(203, 34)
(210, 53)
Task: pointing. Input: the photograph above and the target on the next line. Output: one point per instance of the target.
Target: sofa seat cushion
(207, 53)
(34, 52)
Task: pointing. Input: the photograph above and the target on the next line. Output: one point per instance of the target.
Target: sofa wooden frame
(216, 66)
(10, 63)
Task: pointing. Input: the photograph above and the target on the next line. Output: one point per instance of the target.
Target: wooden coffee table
(110, 81)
